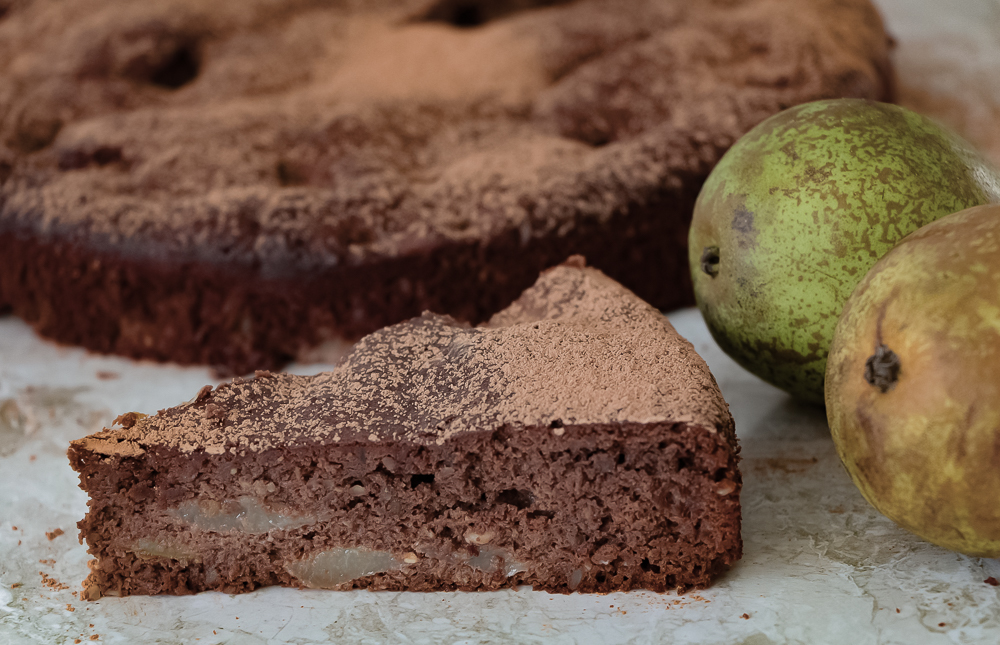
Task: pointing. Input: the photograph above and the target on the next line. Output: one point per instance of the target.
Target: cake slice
(575, 442)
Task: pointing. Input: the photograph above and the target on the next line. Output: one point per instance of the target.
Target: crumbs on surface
(51, 535)
(52, 583)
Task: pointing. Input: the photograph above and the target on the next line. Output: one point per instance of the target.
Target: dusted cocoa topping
(234, 182)
(574, 443)
(430, 378)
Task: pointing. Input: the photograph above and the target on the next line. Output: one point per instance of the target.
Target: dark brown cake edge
(631, 506)
(231, 317)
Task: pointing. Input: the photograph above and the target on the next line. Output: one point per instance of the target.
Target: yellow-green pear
(800, 208)
(913, 383)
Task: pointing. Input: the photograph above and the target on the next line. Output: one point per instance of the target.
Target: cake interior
(588, 508)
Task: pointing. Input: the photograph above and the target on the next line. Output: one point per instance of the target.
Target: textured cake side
(563, 508)
(237, 320)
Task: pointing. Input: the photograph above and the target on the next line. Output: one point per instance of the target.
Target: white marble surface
(820, 565)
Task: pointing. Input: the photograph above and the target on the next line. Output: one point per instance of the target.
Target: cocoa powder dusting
(264, 132)
(576, 348)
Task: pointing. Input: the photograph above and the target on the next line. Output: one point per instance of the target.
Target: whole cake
(233, 183)
(573, 443)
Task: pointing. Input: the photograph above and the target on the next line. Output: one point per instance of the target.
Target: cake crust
(173, 173)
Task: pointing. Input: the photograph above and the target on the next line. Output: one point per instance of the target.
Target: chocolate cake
(233, 183)
(573, 443)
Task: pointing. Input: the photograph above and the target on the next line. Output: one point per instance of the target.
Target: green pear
(798, 211)
(913, 383)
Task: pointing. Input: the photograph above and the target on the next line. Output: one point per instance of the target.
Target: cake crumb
(50, 562)
(95, 637)
(15, 585)
(991, 581)
(745, 616)
(70, 607)
(106, 375)
(52, 583)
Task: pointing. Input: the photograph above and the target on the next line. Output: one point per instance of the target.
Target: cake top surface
(291, 131)
(575, 348)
